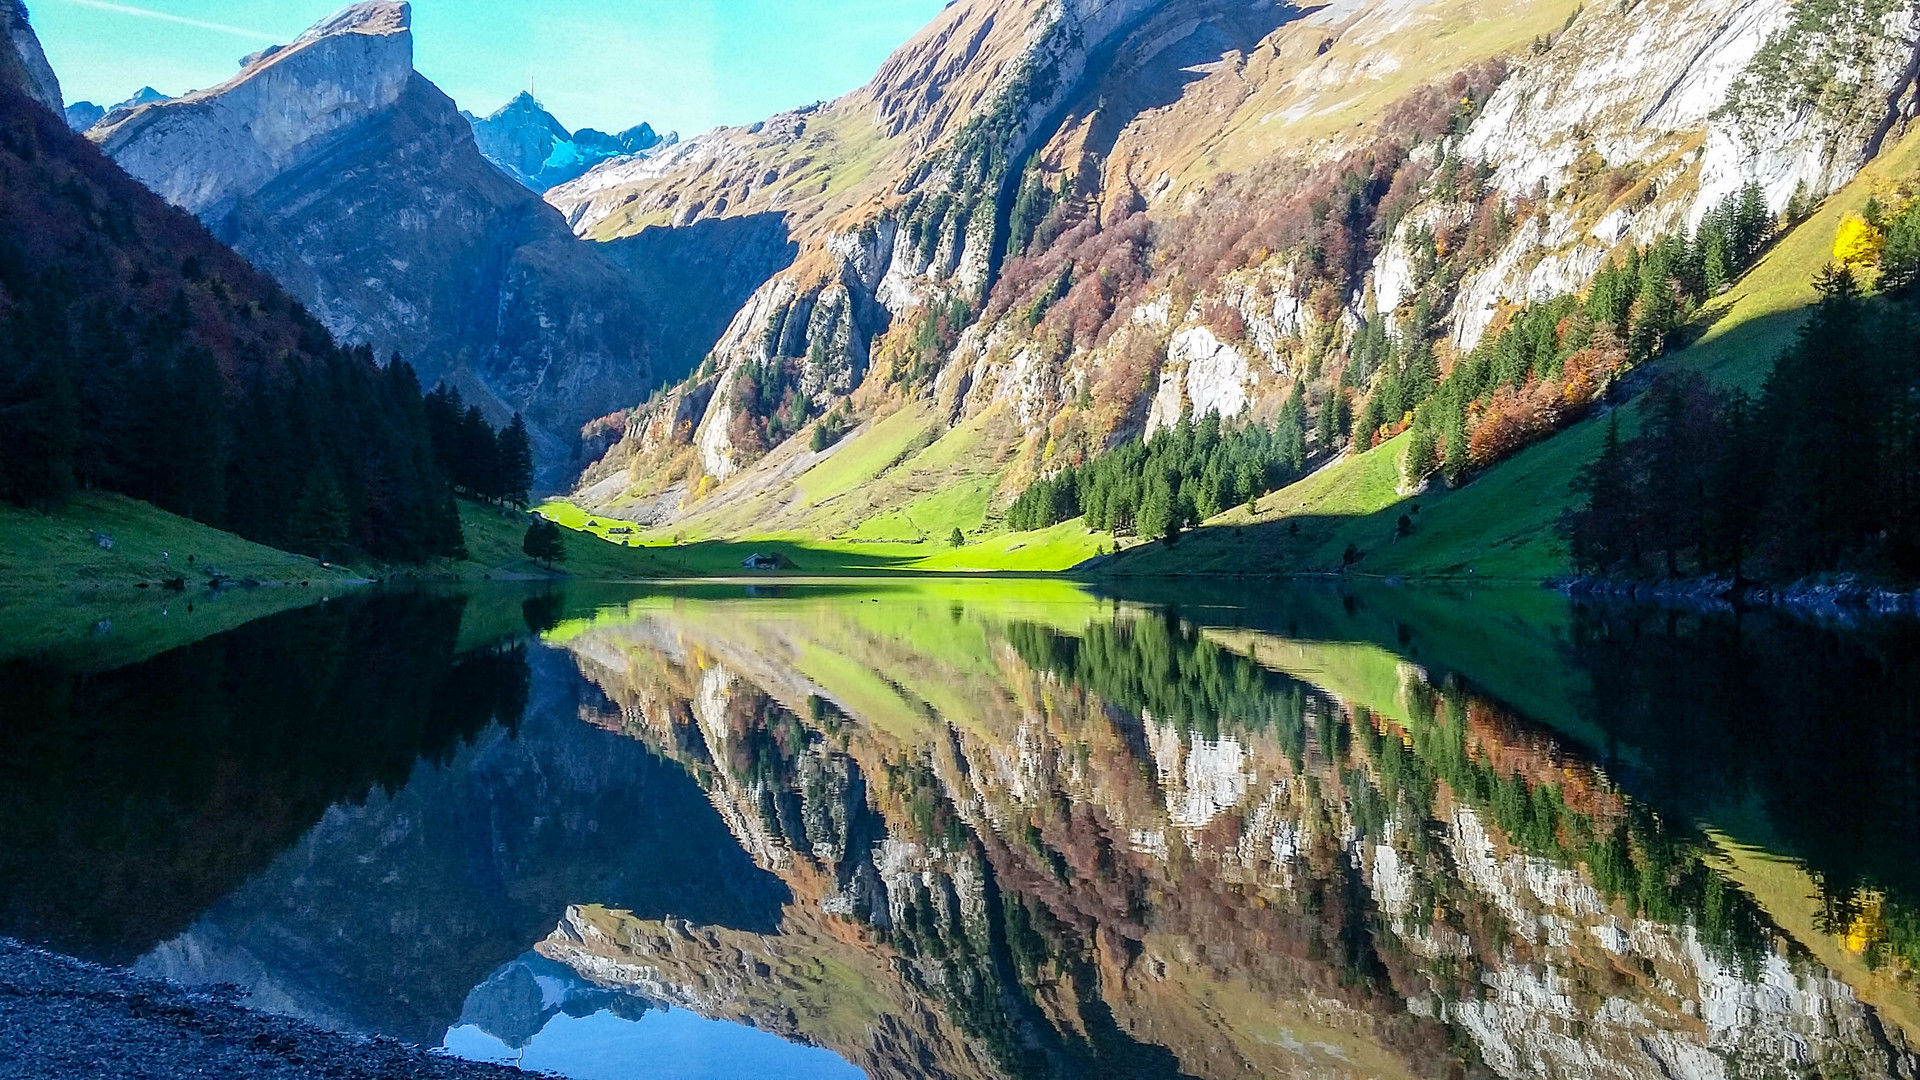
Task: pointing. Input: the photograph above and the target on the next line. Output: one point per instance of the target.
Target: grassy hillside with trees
(1505, 521)
(140, 356)
(1819, 474)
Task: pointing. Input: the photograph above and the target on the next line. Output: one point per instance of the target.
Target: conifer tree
(544, 542)
(516, 463)
(1603, 535)
(1455, 462)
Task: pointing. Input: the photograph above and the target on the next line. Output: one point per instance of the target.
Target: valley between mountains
(1133, 287)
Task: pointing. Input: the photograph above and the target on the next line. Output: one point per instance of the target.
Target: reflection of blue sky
(662, 1045)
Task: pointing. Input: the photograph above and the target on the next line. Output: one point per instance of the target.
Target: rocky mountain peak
(525, 109)
(378, 17)
(533, 147)
(281, 106)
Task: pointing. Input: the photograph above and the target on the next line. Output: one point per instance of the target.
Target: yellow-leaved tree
(1858, 243)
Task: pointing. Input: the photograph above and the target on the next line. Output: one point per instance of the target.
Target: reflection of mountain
(1813, 724)
(516, 1002)
(1088, 842)
(385, 916)
(998, 831)
(131, 801)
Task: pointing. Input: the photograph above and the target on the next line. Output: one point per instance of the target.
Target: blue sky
(682, 65)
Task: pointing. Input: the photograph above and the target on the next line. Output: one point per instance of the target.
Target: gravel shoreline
(65, 1018)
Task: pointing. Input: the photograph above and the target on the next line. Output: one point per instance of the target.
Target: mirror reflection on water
(1001, 829)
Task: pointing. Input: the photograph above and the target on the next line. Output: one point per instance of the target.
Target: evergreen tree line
(327, 457)
(484, 464)
(1166, 667)
(1551, 357)
(327, 453)
(1180, 477)
(1820, 474)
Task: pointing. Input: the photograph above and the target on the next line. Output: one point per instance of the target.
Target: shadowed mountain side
(509, 302)
(335, 167)
(702, 273)
(387, 915)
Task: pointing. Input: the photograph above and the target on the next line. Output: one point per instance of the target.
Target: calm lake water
(956, 829)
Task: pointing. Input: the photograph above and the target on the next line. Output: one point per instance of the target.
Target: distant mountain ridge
(82, 115)
(533, 147)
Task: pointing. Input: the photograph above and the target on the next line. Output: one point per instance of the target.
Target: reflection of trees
(135, 799)
(1814, 724)
(1160, 665)
(1636, 859)
(1449, 739)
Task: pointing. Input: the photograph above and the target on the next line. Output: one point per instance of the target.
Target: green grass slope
(56, 550)
(1502, 526)
(888, 498)
(63, 594)
(655, 554)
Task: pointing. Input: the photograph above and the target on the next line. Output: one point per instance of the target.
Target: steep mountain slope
(524, 139)
(1054, 230)
(141, 356)
(23, 64)
(352, 180)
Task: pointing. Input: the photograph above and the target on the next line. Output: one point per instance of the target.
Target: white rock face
(34, 74)
(274, 113)
(1618, 83)
(1214, 375)
(1649, 87)
(1202, 778)
(1802, 147)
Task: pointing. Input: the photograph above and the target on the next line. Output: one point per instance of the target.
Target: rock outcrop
(22, 62)
(334, 166)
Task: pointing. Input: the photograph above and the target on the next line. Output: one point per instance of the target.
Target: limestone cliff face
(1686, 96)
(335, 167)
(931, 148)
(1132, 200)
(22, 62)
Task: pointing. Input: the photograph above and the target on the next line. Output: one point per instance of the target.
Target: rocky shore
(62, 1018)
(1842, 599)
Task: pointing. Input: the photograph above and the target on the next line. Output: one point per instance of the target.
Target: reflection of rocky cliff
(517, 1001)
(385, 916)
(1124, 847)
